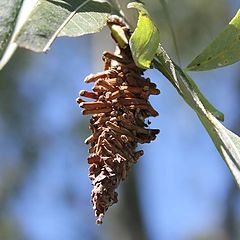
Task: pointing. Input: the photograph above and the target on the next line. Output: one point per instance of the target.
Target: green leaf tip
(145, 39)
(139, 6)
(222, 51)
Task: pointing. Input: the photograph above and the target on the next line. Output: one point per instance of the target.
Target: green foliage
(145, 39)
(223, 51)
(226, 142)
(53, 18)
(183, 83)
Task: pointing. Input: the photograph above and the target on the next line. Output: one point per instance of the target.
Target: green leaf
(223, 51)
(53, 18)
(9, 10)
(226, 142)
(185, 86)
(145, 39)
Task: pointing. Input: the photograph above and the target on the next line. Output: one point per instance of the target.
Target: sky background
(181, 179)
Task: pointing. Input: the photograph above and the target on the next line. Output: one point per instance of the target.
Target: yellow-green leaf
(223, 51)
(145, 39)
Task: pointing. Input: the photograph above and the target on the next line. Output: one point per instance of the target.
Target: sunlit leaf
(145, 39)
(185, 86)
(226, 142)
(52, 18)
(223, 51)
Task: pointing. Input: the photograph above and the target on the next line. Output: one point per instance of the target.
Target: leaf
(223, 51)
(9, 10)
(226, 142)
(145, 39)
(185, 86)
(52, 18)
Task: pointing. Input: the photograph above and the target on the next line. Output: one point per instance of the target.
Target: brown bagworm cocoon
(119, 105)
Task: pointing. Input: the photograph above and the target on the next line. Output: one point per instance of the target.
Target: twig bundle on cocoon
(119, 108)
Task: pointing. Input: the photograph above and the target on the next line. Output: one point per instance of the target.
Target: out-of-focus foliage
(9, 230)
(195, 23)
(13, 118)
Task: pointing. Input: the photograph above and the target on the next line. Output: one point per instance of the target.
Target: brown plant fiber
(119, 108)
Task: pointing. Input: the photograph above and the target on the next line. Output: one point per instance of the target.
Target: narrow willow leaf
(52, 18)
(223, 51)
(185, 86)
(9, 10)
(226, 142)
(145, 39)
